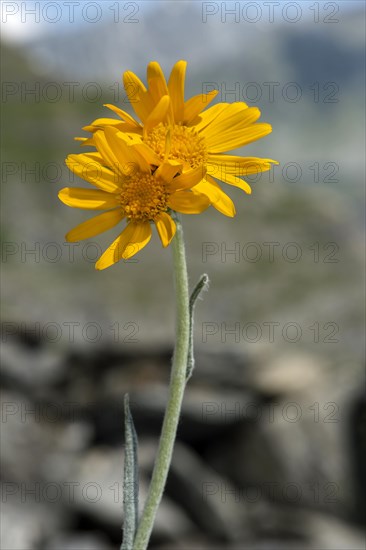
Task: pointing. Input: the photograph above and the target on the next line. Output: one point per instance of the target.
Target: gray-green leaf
(200, 287)
(130, 480)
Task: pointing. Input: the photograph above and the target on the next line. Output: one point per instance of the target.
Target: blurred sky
(23, 21)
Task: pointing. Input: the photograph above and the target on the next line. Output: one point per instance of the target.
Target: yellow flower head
(168, 160)
(133, 183)
(196, 136)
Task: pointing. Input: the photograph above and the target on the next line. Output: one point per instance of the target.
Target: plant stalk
(175, 397)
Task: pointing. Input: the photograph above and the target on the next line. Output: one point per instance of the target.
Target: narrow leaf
(130, 480)
(200, 287)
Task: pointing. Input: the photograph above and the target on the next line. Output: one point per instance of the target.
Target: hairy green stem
(175, 398)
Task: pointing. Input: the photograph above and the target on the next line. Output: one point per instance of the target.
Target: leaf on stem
(130, 480)
(200, 287)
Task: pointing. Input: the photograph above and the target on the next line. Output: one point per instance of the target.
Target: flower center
(143, 197)
(184, 144)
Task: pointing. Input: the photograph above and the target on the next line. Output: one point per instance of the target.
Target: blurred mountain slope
(37, 134)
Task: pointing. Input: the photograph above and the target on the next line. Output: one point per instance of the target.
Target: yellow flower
(195, 136)
(133, 183)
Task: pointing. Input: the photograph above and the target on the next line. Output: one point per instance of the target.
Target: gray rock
(73, 541)
(27, 521)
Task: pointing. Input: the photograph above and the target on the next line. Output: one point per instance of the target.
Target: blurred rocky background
(271, 446)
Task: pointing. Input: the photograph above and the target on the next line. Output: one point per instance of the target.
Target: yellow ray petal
(236, 182)
(176, 89)
(127, 156)
(188, 179)
(156, 82)
(143, 151)
(236, 117)
(166, 228)
(100, 123)
(95, 225)
(233, 140)
(89, 199)
(133, 238)
(85, 141)
(94, 156)
(219, 200)
(208, 116)
(104, 149)
(167, 171)
(130, 138)
(88, 167)
(196, 104)
(187, 202)
(149, 155)
(125, 116)
(141, 101)
(241, 166)
(159, 114)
